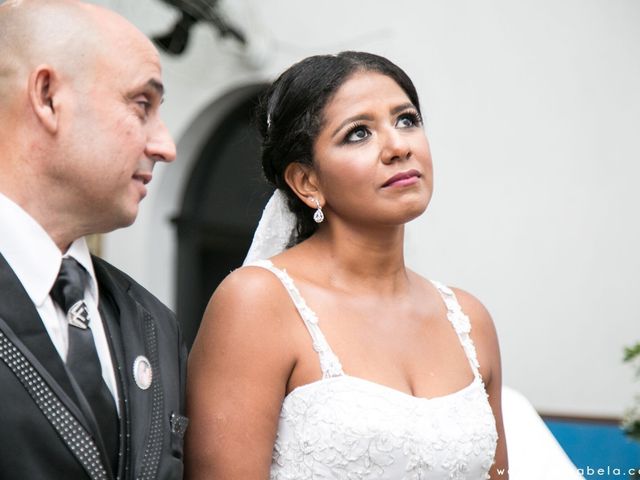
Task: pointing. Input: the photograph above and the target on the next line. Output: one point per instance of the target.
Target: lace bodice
(344, 427)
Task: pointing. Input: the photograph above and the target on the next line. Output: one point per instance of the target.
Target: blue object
(599, 450)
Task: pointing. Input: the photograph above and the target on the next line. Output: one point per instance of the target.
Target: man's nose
(160, 146)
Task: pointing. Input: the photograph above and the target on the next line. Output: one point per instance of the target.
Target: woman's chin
(413, 211)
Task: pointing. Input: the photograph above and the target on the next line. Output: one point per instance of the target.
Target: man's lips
(144, 177)
(402, 178)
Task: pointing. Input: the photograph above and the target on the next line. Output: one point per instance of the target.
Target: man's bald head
(66, 34)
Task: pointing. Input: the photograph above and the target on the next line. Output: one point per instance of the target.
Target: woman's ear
(42, 88)
(303, 181)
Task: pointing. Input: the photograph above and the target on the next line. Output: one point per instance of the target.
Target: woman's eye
(357, 134)
(408, 120)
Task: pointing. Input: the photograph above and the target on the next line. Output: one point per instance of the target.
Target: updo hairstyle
(291, 113)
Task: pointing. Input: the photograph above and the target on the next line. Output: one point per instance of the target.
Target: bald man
(91, 365)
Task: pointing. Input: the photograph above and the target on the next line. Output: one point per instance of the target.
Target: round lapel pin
(142, 372)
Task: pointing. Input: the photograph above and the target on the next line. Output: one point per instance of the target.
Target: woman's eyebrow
(349, 120)
(402, 107)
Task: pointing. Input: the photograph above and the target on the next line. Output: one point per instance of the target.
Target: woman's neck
(361, 259)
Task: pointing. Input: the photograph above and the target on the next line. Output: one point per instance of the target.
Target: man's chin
(129, 219)
(125, 219)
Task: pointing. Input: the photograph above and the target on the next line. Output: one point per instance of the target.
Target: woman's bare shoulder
(250, 286)
(249, 299)
(476, 311)
(483, 333)
(471, 305)
(238, 371)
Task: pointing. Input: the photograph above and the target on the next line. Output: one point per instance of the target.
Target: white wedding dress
(344, 427)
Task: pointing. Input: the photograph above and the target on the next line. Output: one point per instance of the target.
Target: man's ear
(302, 179)
(43, 86)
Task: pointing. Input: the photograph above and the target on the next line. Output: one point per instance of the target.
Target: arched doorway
(223, 199)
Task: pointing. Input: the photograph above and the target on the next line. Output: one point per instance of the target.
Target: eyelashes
(356, 133)
(360, 131)
(413, 116)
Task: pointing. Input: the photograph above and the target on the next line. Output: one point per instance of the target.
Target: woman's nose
(395, 146)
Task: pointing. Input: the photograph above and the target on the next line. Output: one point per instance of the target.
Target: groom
(91, 365)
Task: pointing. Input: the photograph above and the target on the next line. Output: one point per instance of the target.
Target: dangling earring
(318, 216)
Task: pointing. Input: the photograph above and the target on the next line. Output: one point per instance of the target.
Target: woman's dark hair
(290, 115)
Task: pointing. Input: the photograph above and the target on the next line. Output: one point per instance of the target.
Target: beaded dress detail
(344, 427)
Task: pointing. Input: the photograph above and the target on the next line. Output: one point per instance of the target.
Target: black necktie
(82, 357)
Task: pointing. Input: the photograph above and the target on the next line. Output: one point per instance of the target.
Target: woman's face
(371, 156)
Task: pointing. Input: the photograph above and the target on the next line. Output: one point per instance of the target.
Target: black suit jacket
(45, 429)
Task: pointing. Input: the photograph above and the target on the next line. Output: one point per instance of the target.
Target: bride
(331, 359)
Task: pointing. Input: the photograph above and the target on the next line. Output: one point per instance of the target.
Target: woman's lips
(402, 179)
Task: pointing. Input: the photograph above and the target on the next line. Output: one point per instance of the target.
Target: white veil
(275, 229)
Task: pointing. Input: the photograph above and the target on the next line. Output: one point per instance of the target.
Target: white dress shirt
(36, 261)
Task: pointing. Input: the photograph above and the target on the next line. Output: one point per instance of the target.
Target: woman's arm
(485, 339)
(237, 377)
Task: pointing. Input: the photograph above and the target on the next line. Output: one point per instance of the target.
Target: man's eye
(144, 105)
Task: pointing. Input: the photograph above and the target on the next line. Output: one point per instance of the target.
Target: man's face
(115, 134)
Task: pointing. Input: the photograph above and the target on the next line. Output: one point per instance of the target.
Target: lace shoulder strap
(329, 363)
(461, 324)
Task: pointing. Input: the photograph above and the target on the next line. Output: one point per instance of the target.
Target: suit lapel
(50, 399)
(18, 311)
(23, 325)
(142, 408)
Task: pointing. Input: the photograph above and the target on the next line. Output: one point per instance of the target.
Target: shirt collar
(33, 255)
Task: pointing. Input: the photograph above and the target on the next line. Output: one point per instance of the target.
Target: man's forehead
(135, 62)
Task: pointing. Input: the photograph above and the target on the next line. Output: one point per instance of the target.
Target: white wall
(533, 113)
